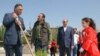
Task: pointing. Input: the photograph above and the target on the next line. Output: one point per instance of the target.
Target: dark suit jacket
(65, 38)
(12, 34)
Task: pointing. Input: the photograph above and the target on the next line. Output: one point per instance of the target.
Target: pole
(26, 40)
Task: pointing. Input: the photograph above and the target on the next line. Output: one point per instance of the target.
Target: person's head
(88, 22)
(53, 39)
(65, 22)
(18, 9)
(75, 30)
(41, 17)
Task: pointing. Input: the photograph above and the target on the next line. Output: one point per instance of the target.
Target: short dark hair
(17, 5)
(43, 15)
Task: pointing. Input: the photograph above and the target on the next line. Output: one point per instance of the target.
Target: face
(40, 17)
(65, 22)
(19, 10)
(85, 24)
(75, 29)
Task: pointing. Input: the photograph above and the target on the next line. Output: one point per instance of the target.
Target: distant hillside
(54, 33)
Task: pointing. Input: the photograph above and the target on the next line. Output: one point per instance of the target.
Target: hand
(15, 15)
(72, 47)
(81, 50)
(18, 22)
(49, 46)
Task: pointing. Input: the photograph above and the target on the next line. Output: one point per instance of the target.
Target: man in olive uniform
(41, 34)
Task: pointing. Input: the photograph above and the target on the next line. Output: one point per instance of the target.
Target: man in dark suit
(12, 36)
(65, 39)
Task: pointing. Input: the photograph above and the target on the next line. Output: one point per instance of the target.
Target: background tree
(2, 31)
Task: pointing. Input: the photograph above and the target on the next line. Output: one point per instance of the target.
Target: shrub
(40, 53)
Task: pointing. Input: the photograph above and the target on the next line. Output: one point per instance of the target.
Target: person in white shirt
(76, 38)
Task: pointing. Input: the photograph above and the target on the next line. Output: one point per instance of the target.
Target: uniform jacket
(41, 36)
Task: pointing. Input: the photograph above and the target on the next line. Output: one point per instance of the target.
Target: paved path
(23, 55)
(26, 51)
(27, 55)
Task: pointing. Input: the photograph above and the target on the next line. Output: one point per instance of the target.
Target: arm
(72, 37)
(49, 32)
(7, 21)
(33, 35)
(88, 39)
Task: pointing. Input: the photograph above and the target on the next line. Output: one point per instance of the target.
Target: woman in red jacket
(90, 44)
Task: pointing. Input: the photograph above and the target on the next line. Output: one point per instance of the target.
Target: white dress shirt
(76, 36)
(65, 28)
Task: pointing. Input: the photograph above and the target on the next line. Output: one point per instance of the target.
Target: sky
(55, 11)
